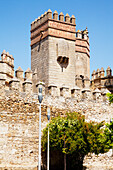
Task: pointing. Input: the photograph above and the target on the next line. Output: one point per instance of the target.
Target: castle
(60, 59)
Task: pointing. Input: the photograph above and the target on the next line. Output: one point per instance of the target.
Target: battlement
(100, 73)
(102, 80)
(48, 24)
(48, 15)
(7, 58)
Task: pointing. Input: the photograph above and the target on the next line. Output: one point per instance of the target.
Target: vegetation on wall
(110, 97)
(109, 134)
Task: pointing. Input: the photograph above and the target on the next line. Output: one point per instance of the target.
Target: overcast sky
(17, 15)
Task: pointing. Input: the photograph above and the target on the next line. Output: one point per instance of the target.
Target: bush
(74, 137)
(109, 134)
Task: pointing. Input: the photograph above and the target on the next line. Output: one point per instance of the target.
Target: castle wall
(19, 116)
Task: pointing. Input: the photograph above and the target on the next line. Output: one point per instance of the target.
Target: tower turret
(109, 71)
(82, 64)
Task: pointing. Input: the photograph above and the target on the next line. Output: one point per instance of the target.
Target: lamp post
(111, 120)
(40, 97)
(48, 117)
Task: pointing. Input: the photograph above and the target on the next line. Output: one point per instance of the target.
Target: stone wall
(40, 61)
(19, 115)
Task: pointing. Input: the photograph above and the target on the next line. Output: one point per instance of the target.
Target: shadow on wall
(57, 161)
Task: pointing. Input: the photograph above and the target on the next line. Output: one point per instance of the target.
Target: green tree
(109, 134)
(110, 97)
(74, 137)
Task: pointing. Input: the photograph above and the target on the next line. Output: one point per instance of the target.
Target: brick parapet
(52, 27)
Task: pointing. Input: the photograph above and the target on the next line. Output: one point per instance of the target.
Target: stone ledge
(18, 167)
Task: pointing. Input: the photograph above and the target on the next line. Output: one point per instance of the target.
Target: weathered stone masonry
(19, 114)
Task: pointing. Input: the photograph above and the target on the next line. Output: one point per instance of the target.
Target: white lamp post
(111, 120)
(40, 97)
(48, 117)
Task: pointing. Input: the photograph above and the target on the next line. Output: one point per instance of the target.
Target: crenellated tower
(58, 54)
(6, 66)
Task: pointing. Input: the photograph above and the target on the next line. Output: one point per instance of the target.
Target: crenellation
(79, 81)
(27, 86)
(7, 58)
(98, 73)
(76, 92)
(108, 72)
(72, 20)
(86, 82)
(79, 34)
(19, 73)
(102, 72)
(65, 91)
(101, 80)
(28, 74)
(67, 18)
(14, 84)
(97, 94)
(49, 14)
(86, 93)
(61, 16)
(93, 75)
(55, 15)
(53, 90)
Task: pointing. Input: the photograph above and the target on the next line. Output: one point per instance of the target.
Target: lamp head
(48, 113)
(40, 97)
(111, 120)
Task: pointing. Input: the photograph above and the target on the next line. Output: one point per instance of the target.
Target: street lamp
(111, 120)
(48, 117)
(40, 97)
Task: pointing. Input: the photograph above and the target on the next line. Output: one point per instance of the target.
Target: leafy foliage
(110, 96)
(109, 134)
(72, 135)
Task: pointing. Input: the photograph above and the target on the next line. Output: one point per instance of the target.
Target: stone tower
(6, 66)
(59, 55)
